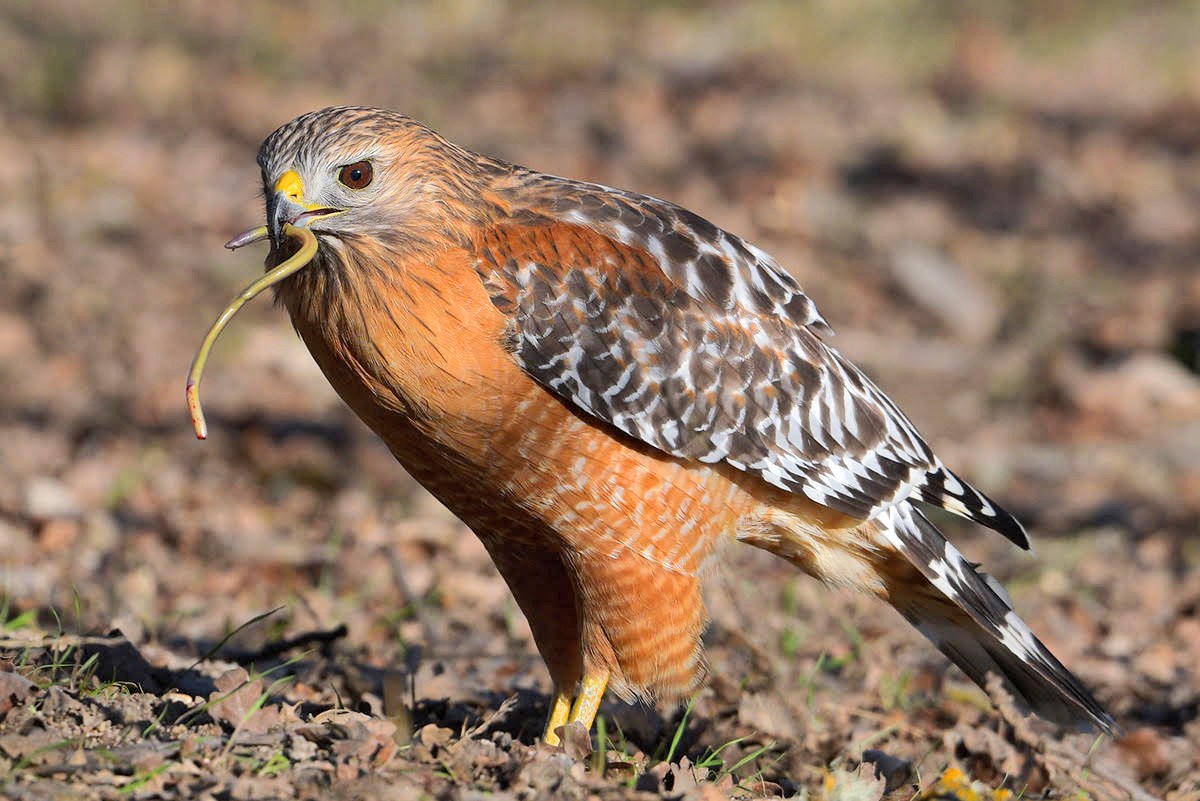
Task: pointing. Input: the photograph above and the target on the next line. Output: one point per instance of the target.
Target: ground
(996, 205)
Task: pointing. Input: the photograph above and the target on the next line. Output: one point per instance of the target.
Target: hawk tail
(968, 616)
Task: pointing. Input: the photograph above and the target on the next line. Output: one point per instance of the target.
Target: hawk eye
(357, 175)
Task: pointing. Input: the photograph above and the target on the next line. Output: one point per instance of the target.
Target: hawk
(605, 386)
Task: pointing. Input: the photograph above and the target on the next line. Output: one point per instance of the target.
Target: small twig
(61, 639)
(498, 716)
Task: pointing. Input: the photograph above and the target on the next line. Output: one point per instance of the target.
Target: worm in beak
(299, 260)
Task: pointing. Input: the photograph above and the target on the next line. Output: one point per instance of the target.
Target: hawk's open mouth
(301, 220)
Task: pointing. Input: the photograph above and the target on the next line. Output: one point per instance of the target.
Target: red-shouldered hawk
(604, 386)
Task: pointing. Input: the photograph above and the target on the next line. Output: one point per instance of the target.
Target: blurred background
(996, 205)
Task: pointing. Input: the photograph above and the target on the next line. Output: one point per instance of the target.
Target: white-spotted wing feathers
(708, 350)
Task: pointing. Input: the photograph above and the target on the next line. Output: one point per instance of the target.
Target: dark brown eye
(357, 175)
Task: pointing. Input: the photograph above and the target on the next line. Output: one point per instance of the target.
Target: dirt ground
(996, 205)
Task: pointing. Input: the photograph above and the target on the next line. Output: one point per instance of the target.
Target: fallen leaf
(576, 741)
(14, 689)
(234, 704)
(1145, 751)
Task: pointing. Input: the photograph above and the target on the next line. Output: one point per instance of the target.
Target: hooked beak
(287, 205)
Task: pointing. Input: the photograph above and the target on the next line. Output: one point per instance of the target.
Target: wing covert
(689, 339)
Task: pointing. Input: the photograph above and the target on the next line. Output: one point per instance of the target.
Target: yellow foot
(560, 709)
(587, 703)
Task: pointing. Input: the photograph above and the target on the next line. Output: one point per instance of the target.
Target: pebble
(47, 498)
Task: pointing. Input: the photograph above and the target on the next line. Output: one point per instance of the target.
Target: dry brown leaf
(764, 713)
(234, 704)
(576, 740)
(1145, 751)
(15, 689)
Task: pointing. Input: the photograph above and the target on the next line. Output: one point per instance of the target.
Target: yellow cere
(292, 185)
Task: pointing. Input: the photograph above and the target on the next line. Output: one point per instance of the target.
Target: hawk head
(353, 173)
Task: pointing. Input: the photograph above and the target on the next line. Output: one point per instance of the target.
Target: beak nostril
(291, 186)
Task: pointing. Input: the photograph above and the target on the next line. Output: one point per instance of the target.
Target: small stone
(47, 498)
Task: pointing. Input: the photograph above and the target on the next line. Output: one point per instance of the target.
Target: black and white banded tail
(968, 616)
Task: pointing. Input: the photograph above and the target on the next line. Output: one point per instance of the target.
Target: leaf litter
(1051, 201)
